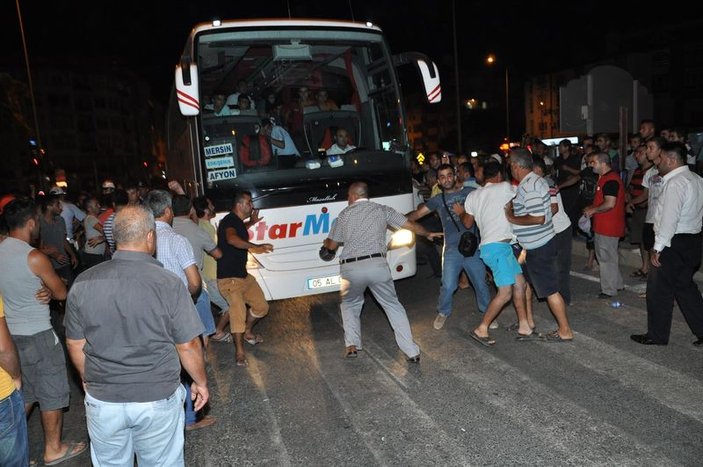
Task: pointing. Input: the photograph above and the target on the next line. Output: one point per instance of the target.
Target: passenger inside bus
(324, 103)
(342, 144)
(219, 109)
(283, 146)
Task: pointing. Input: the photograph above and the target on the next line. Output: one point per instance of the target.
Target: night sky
(148, 36)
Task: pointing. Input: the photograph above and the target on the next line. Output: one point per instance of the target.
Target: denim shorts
(500, 259)
(14, 444)
(44, 376)
(541, 269)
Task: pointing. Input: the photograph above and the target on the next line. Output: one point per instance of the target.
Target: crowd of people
(131, 280)
(136, 314)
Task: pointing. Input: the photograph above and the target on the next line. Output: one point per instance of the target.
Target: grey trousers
(609, 262)
(374, 274)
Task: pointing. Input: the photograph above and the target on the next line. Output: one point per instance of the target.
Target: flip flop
(484, 341)
(555, 337)
(70, 453)
(256, 340)
(225, 338)
(527, 337)
(515, 326)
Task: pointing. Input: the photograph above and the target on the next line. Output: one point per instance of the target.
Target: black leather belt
(360, 258)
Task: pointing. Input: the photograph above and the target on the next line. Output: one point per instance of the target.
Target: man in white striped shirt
(677, 250)
(531, 215)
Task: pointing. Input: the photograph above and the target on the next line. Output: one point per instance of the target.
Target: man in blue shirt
(283, 146)
(452, 260)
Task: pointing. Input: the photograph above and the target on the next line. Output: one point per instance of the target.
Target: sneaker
(494, 324)
(439, 321)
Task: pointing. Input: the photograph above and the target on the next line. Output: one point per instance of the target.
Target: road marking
(571, 434)
(674, 390)
(383, 422)
(586, 277)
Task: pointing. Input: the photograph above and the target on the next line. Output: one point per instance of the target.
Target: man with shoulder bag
(460, 245)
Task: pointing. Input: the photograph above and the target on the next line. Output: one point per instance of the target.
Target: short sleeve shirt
(234, 260)
(451, 223)
(533, 199)
(131, 313)
(288, 149)
(199, 240)
(361, 228)
(655, 184)
(173, 251)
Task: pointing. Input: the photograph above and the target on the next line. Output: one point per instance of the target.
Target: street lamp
(490, 60)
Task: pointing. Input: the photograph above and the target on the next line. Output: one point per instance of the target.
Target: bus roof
(283, 23)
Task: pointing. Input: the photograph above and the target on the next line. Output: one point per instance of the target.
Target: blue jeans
(452, 264)
(152, 430)
(202, 306)
(14, 443)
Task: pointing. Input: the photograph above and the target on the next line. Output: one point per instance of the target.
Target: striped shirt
(533, 199)
(361, 227)
(107, 232)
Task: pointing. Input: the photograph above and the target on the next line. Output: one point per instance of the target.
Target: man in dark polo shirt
(236, 285)
(128, 323)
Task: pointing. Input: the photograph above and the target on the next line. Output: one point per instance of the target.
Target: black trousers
(673, 280)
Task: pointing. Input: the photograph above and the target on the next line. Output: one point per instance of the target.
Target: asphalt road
(600, 400)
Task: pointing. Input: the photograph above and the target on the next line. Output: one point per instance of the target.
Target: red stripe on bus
(188, 97)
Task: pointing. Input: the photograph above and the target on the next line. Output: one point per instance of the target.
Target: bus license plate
(321, 282)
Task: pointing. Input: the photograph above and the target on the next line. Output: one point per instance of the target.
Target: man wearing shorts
(23, 270)
(531, 215)
(484, 207)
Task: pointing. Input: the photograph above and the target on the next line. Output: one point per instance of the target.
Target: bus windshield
(290, 109)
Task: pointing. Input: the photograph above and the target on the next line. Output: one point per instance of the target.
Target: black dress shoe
(415, 359)
(644, 339)
(698, 343)
(604, 296)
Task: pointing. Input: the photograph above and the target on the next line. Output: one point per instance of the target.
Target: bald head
(133, 229)
(358, 190)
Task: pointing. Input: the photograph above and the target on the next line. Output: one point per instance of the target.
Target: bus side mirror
(187, 89)
(430, 78)
(428, 72)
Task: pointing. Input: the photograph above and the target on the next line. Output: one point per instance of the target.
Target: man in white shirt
(283, 146)
(677, 250)
(342, 145)
(218, 106)
(484, 206)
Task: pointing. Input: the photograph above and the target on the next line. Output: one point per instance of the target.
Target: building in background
(95, 121)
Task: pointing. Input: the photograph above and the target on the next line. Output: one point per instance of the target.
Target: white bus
(214, 150)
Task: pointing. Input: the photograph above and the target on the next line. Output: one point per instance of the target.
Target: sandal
(638, 273)
(257, 339)
(555, 337)
(223, 338)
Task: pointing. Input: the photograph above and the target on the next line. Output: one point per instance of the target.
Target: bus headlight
(252, 263)
(400, 239)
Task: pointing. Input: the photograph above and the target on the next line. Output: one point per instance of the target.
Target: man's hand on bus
(263, 248)
(433, 235)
